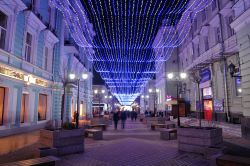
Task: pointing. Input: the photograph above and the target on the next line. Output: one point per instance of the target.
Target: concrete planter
(197, 140)
(65, 141)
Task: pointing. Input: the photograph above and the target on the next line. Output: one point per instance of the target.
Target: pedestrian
(132, 115)
(135, 115)
(123, 118)
(116, 118)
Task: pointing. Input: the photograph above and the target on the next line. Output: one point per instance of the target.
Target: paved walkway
(134, 145)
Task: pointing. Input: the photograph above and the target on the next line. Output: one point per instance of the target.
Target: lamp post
(72, 76)
(178, 77)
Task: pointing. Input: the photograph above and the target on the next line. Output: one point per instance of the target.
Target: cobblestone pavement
(135, 145)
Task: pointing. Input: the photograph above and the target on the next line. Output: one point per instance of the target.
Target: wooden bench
(153, 126)
(165, 134)
(102, 126)
(46, 161)
(230, 160)
(97, 134)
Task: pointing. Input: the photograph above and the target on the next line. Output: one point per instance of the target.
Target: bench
(230, 160)
(97, 134)
(153, 126)
(170, 125)
(46, 161)
(103, 126)
(165, 134)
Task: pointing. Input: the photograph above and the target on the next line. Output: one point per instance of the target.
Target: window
(206, 43)
(214, 5)
(42, 107)
(204, 17)
(198, 50)
(218, 34)
(3, 28)
(230, 30)
(24, 107)
(195, 24)
(46, 58)
(28, 44)
(2, 95)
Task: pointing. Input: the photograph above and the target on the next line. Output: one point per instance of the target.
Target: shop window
(24, 107)
(28, 44)
(238, 84)
(3, 29)
(81, 108)
(2, 95)
(42, 107)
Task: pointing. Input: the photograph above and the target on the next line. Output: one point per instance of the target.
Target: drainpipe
(227, 109)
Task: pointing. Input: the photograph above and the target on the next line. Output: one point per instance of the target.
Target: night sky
(97, 80)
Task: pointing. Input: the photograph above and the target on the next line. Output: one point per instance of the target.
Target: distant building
(102, 100)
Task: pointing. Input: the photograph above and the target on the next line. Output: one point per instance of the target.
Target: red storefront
(207, 95)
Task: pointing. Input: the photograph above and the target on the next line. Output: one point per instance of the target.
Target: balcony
(210, 56)
(231, 46)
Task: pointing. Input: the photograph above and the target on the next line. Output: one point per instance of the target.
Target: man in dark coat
(116, 118)
(123, 118)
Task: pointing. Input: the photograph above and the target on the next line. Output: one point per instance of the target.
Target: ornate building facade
(216, 51)
(32, 52)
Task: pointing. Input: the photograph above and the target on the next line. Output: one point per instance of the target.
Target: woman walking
(116, 118)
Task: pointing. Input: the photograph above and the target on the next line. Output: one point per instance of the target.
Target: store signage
(218, 105)
(205, 75)
(207, 93)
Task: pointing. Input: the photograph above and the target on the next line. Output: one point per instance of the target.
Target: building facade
(215, 54)
(31, 52)
(148, 98)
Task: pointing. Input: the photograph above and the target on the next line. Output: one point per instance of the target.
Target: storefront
(207, 93)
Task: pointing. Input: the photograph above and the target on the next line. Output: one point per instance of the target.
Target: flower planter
(65, 141)
(197, 140)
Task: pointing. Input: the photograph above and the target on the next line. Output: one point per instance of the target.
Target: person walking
(135, 115)
(116, 118)
(123, 118)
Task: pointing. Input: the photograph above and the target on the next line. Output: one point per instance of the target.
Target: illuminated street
(125, 82)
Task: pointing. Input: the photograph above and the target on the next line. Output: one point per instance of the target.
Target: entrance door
(2, 94)
(42, 107)
(208, 109)
(24, 108)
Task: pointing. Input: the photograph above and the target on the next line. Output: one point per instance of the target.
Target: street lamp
(72, 76)
(178, 77)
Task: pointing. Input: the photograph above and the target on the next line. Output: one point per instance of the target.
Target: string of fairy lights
(131, 39)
